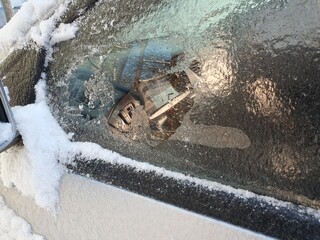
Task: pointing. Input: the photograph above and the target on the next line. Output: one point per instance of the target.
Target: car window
(206, 88)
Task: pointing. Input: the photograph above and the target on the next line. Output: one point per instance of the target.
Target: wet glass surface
(247, 112)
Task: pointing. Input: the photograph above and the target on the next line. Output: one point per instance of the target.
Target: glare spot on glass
(285, 162)
(265, 100)
(217, 72)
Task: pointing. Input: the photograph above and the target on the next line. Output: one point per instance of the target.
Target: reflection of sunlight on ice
(285, 162)
(217, 72)
(266, 100)
(263, 92)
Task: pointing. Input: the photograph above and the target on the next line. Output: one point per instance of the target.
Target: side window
(199, 87)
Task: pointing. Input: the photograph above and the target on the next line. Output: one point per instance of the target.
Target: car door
(200, 93)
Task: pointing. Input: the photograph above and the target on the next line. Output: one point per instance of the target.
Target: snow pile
(34, 169)
(13, 227)
(20, 28)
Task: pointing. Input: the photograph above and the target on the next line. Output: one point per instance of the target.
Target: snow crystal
(64, 32)
(41, 33)
(13, 227)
